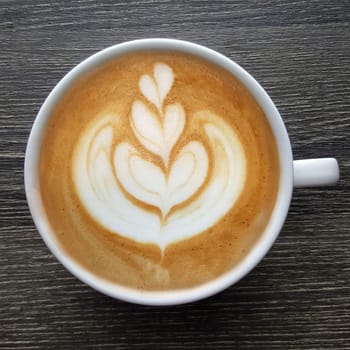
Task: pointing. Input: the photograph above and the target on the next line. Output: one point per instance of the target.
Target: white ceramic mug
(310, 172)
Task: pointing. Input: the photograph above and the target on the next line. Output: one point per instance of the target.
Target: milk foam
(191, 191)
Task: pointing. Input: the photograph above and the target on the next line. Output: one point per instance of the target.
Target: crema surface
(158, 170)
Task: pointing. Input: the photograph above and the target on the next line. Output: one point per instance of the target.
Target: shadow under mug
(300, 173)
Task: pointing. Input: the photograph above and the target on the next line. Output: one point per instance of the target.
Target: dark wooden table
(299, 296)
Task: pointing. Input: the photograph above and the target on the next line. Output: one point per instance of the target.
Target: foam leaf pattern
(117, 182)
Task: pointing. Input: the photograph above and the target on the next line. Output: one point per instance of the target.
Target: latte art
(158, 171)
(107, 170)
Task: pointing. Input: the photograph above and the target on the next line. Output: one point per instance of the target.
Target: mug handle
(315, 172)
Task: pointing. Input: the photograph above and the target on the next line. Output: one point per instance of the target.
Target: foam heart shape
(155, 90)
(148, 183)
(156, 135)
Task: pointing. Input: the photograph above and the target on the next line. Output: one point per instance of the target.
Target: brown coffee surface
(200, 88)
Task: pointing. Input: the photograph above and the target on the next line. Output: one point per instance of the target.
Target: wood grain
(299, 296)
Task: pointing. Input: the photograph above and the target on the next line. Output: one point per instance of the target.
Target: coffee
(158, 170)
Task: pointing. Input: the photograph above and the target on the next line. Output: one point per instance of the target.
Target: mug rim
(173, 297)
